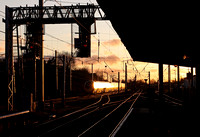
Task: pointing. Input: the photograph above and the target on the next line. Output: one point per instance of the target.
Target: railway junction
(169, 36)
(109, 114)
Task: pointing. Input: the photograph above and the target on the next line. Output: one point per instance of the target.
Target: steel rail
(107, 101)
(119, 125)
(107, 114)
(175, 99)
(74, 112)
(61, 125)
(95, 107)
(85, 114)
(173, 102)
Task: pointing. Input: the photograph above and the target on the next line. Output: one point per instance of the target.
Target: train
(102, 86)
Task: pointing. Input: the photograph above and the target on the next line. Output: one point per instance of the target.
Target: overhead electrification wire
(72, 16)
(144, 67)
(82, 26)
(108, 66)
(2, 12)
(85, 29)
(70, 2)
(2, 31)
(57, 38)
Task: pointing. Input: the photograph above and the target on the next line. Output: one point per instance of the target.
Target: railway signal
(83, 47)
(34, 49)
(83, 43)
(34, 18)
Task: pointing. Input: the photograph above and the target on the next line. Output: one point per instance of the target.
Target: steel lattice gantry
(57, 14)
(82, 15)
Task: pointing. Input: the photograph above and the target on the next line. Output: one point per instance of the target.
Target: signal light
(34, 49)
(83, 43)
(83, 47)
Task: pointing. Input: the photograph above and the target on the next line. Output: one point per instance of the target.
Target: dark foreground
(105, 115)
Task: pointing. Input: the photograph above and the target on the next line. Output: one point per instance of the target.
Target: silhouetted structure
(159, 32)
(34, 18)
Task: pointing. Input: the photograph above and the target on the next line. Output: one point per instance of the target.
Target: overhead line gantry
(57, 14)
(34, 18)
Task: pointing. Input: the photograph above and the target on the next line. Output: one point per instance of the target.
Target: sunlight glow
(102, 87)
(101, 84)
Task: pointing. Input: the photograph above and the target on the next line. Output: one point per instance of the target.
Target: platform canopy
(160, 32)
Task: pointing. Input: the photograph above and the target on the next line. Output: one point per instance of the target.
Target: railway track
(110, 124)
(103, 117)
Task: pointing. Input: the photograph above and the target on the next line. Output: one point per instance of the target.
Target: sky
(113, 52)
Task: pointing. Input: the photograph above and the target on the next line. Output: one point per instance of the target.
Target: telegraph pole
(92, 71)
(169, 78)
(149, 79)
(35, 82)
(178, 74)
(160, 69)
(56, 62)
(72, 40)
(98, 48)
(42, 52)
(64, 79)
(192, 78)
(70, 61)
(125, 77)
(118, 82)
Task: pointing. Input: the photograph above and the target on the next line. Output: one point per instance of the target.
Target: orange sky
(112, 50)
(2, 47)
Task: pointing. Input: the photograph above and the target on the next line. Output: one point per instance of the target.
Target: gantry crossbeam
(83, 15)
(57, 14)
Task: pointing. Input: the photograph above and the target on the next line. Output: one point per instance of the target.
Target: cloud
(112, 59)
(1, 49)
(2, 46)
(113, 42)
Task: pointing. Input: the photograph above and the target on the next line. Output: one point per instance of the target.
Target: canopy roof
(159, 32)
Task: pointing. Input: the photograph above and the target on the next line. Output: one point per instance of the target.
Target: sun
(102, 85)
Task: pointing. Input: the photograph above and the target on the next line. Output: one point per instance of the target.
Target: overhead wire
(80, 25)
(72, 16)
(2, 12)
(2, 31)
(83, 27)
(57, 38)
(121, 42)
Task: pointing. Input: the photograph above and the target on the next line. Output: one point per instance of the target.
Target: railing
(13, 121)
(14, 114)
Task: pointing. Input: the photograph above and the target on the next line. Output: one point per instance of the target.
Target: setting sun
(102, 85)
